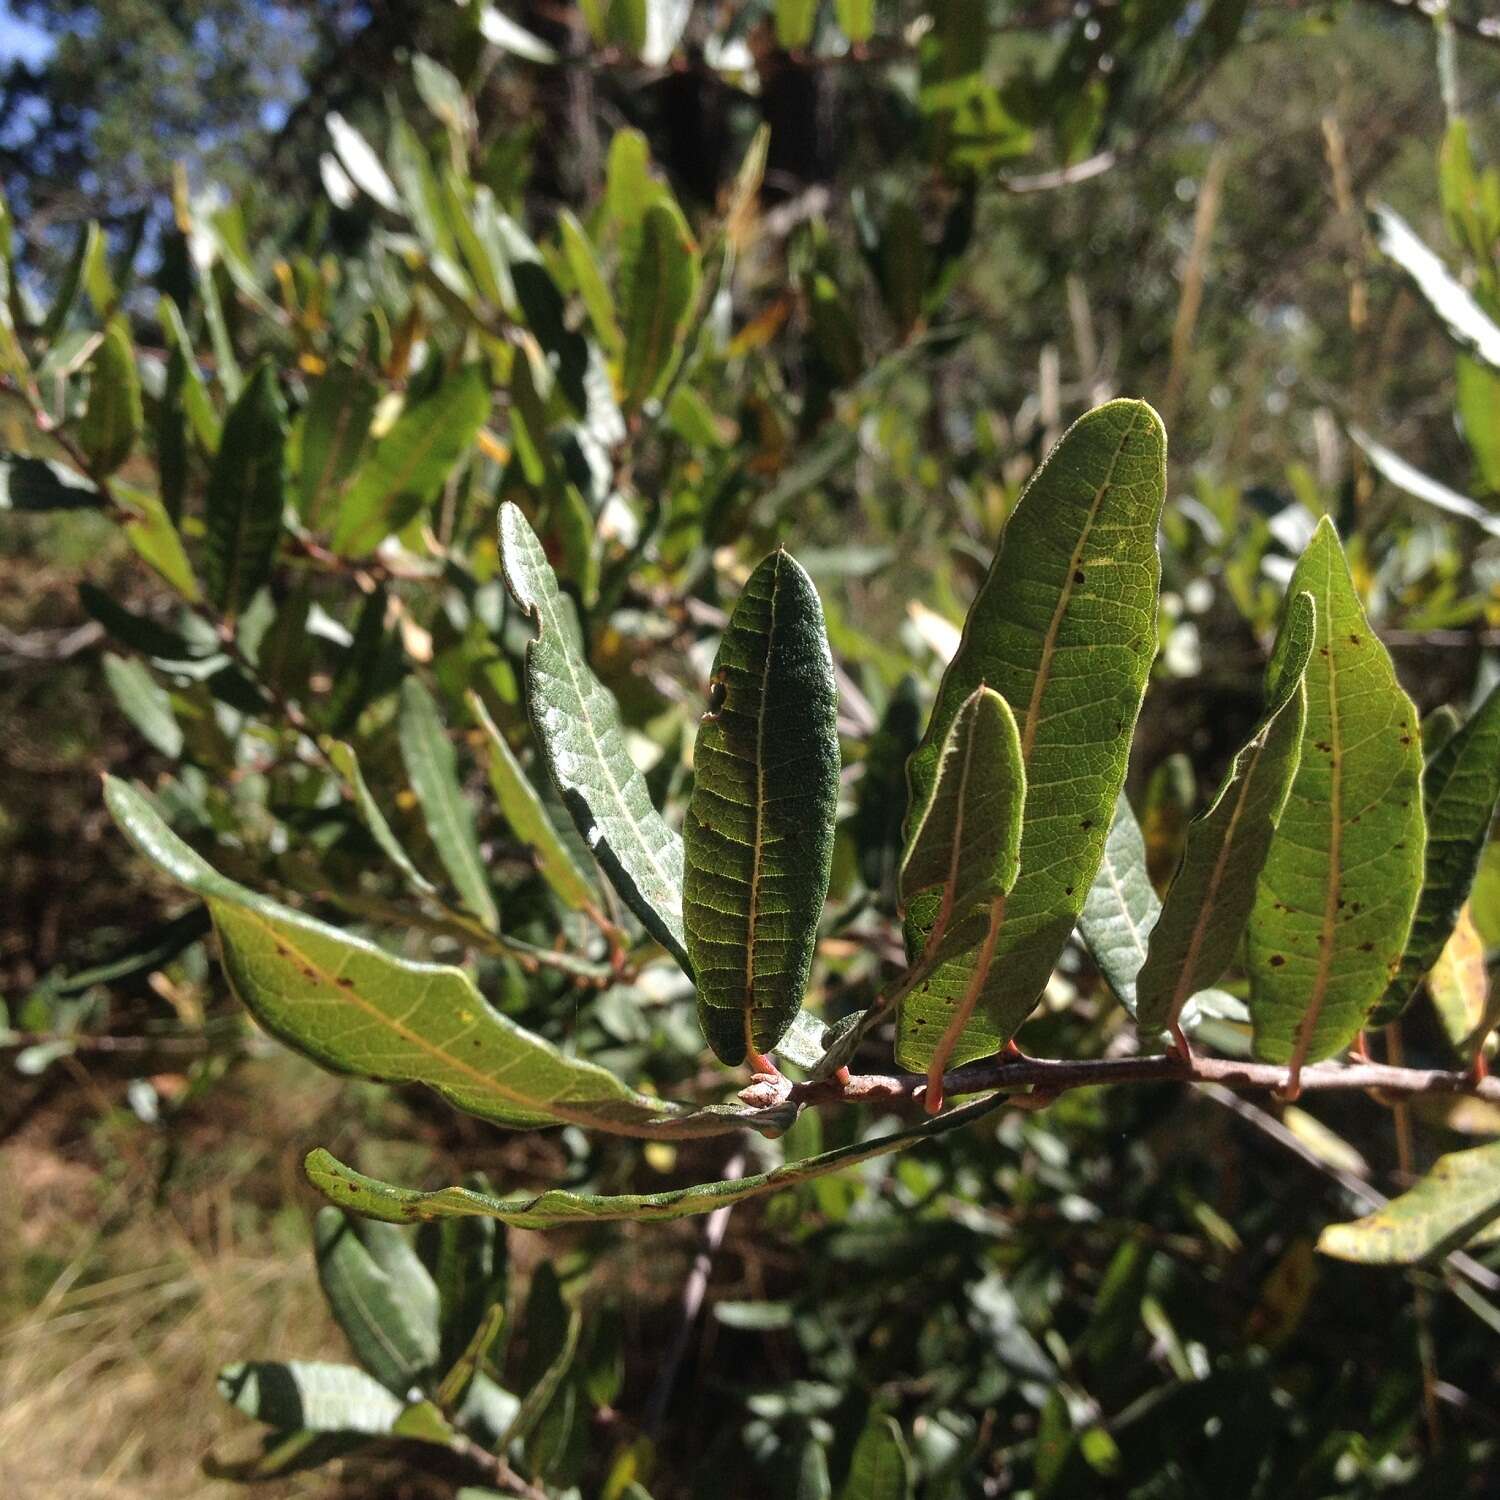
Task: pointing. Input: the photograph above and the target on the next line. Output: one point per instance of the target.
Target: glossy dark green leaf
(357, 1009)
(39, 484)
(660, 282)
(1340, 883)
(881, 1466)
(1209, 901)
(390, 1335)
(246, 493)
(367, 1195)
(1063, 628)
(578, 727)
(1122, 907)
(432, 768)
(411, 461)
(1457, 1203)
(1460, 787)
(196, 402)
(333, 432)
(759, 829)
(113, 418)
(522, 808)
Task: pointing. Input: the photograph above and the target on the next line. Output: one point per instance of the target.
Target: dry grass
(119, 1301)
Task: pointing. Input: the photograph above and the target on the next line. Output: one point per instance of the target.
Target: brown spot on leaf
(1277, 960)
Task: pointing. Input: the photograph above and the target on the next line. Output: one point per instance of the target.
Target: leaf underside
(1064, 628)
(1122, 907)
(759, 830)
(1340, 883)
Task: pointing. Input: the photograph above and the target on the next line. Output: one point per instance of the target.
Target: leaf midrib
(757, 850)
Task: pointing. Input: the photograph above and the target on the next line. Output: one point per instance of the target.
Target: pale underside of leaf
(1122, 906)
(578, 726)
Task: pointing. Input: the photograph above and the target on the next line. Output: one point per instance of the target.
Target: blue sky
(17, 39)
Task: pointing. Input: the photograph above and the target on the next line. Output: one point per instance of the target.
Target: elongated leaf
(113, 419)
(759, 830)
(1467, 323)
(1122, 906)
(660, 282)
(357, 1009)
(1453, 1205)
(584, 264)
(411, 462)
(346, 763)
(578, 727)
(1423, 487)
(366, 1195)
(359, 160)
(1459, 984)
(1209, 901)
(881, 1466)
(497, 27)
(433, 770)
(1478, 404)
(1063, 629)
(334, 428)
(40, 484)
(1340, 883)
(243, 506)
(144, 702)
(1460, 787)
(196, 402)
(285, 1453)
(311, 1396)
(389, 1334)
(966, 841)
(151, 532)
(528, 818)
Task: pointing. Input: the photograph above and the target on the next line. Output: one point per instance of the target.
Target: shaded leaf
(1063, 629)
(1122, 906)
(1453, 1205)
(334, 428)
(759, 829)
(1340, 883)
(547, 1210)
(660, 281)
(346, 763)
(1209, 901)
(432, 768)
(578, 727)
(144, 702)
(410, 463)
(243, 505)
(41, 484)
(881, 1466)
(1460, 788)
(113, 418)
(522, 808)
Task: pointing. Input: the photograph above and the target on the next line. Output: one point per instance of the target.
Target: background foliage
(297, 295)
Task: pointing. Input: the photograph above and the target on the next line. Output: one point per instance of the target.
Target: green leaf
(42, 484)
(1063, 628)
(522, 808)
(881, 1466)
(578, 249)
(357, 1009)
(539, 1396)
(461, 1373)
(113, 419)
(195, 398)
(1467, 323)
(432, 769)
(1460, 787)
(556, 1206)
(346, 763)
(1459, 984)
(856, 18)
(759, 829)
(578, 727)
(1209, 901)
(150, 531)
(1340, 883)
(389, 1334)
(311, 1396)
(794, 23)
(660, 282)
(243, 505)
(411, 461)
(813, 1482)
(285, 1453)
(334, 428)
(1453, 1205)
(1478, 403)
(1122, 907)
(144, 702)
